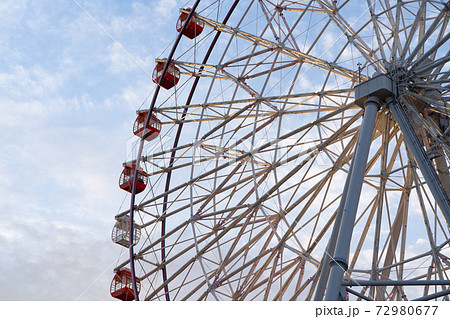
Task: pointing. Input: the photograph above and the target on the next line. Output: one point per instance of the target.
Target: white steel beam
(339, 262)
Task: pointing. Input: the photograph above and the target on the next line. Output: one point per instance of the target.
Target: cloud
(166, 8)
(53, 260)
(65, 118)
(58, 202)
(30, 82)
(12, 12)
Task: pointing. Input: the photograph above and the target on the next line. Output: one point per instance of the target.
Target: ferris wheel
(297, 150)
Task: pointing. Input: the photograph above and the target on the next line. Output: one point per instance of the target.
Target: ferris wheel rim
(136, 287)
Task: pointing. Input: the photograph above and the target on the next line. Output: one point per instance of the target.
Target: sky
(72, 75)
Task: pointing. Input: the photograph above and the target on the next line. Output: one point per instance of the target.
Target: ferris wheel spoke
(441, 18)
(286, 98)
(416, 65)
(443, 29)
(236, 276)
(396, 25)
(236, 258)
(289, 52)
(195, 69)
(432, 243)
(420, 16)
(259, 149)
(352, 36)
(247, 88)
(440, 107)
(370, 211)
(204, 216)
(437, 64)
(269, 19)
(343, 159)
(377, 29)
(200, 253)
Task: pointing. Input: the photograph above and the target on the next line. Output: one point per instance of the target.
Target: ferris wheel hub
(380, 86)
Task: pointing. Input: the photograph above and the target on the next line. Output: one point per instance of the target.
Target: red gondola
(153, 128)
(127, 176)
(194, 28)
(122, 285)
(171, 77)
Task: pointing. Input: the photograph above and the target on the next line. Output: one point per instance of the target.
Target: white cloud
(65, 120)
(166, 8)
(59, 200)
(12, 12)
(30, 82)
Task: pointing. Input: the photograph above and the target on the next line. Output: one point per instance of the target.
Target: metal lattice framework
(253, 177)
